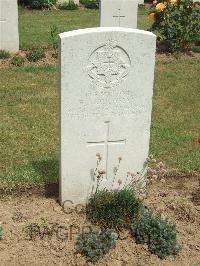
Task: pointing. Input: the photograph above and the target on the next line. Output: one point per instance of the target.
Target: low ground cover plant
(176, 23)
(4, 54)
(35, 55)
(95, 243)
(157, 233)
(17, 60)
(113, 209)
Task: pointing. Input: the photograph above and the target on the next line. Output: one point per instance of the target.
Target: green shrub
(38, 4)
(157, 233)
(95, 244)
(91, 4)
(1, 232)
(4, 54)
(113, 209)
(177, 23)
(68, 5)
(17, 60)
(35, 55)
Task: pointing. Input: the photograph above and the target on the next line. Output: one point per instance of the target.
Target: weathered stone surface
(106, 92)
(118, 13)
(9, 36)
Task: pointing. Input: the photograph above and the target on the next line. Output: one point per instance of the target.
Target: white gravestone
(106, 100)
(67, 1)
(118, 13)
(9, 36)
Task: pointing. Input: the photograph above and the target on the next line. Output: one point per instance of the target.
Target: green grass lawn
(34, 25)
(29, 105)
(30, 119)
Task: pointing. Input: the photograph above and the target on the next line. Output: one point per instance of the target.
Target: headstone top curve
(104, 29)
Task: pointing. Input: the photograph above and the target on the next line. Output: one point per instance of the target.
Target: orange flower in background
(160, 7)
(155, 2)
(152, 15)
(173, 1)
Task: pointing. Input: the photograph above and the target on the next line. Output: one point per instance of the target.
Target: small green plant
(177, 23)
(17, 60)
(54, 39)
(90, 4)
(35, 55)
(1, 232)
(95, 244)
(157, 233)
(113, 209)
(4, 54)
(68, 5)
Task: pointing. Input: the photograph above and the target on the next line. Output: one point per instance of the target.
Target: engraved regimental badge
(108, 65)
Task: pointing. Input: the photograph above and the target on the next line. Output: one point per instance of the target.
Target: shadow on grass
(48, 170)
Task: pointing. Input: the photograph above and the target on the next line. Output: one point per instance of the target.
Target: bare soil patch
(53, 242)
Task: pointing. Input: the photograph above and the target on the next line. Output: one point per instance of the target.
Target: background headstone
(118, 13)
(67, 1)
(106, 100)
(9, 36)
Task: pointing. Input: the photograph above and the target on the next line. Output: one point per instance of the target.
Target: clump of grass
(17, 60)
(4, 54)
(157, 233)
(95, 244)
(1, 232)
(35, 55)
(113, 209)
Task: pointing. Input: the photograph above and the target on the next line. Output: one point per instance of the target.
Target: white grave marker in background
(9, 36)
(118, 13)
(106, 100)
(67, 1)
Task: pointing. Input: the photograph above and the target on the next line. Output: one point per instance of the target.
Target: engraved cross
(107, 142)
(119, 17)
(3, 20)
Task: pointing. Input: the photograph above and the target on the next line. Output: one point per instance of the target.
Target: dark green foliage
(68, 5)
(38, 4)
(17, 61)
(178, 25)
(4, 54)
(157, 233)
(91, 4)
(35, 55)
(113, 209)
(95, 244)
(1, 232)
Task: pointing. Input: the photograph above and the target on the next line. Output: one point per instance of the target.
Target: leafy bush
(177, 23)
(68, 5)
(38, 4)
(4, 54)
(35, 55)
(157, 233)
(1, 232)
(17, 61)
(91, 4)
(95, 244)
(113, 209)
